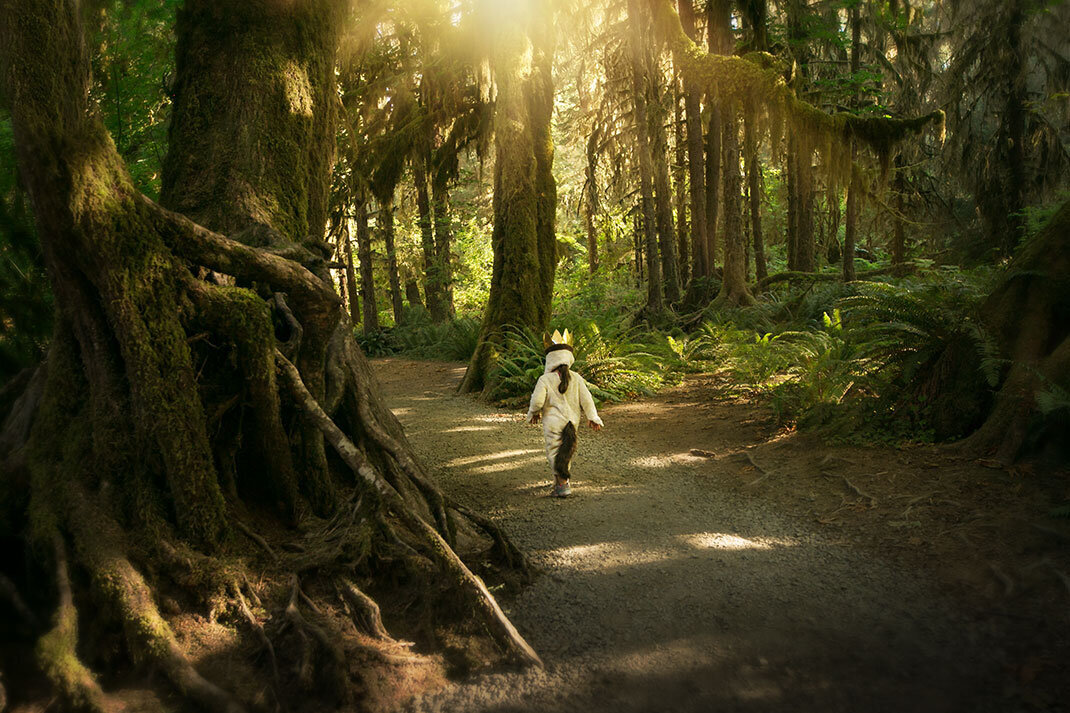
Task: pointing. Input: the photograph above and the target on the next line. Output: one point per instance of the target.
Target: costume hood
(557, 357)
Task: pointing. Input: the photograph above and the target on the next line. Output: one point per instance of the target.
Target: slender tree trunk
(663, 195)
(386, 220)
(696, 164)
(412, 294)
(754, 193)
(679, 179)
(525, 193)
(898, 228)
(432, 286)
(367, 278)
(590, 200)
(351, 280)
(654, 300)
(734, 280)
(851, 210)
(719, 39)
(440, 206)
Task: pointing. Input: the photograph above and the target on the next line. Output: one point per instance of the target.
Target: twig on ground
(247, 531)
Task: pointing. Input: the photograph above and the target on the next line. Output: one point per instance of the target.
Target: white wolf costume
(560, 410)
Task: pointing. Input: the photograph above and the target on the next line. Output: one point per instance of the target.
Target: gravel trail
(661, 592)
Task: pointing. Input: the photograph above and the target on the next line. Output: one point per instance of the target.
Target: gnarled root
(313, 638)
(124, 591)
(56, 649)
(435, 546)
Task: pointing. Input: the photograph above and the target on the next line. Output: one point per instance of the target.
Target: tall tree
(654, 292)
(525, 192)
(696, 165)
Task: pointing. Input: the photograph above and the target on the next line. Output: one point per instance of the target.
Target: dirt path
(666, 590)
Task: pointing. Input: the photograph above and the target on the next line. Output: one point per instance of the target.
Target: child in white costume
(558, 397)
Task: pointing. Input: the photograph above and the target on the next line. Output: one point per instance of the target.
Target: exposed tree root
(245, 530)
(313, 638)
(11, 593)
(124, 592)
(56, 649)
(365, 612)
(441, 553)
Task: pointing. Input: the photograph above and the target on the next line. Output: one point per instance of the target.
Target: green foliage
(421, 338)
(616, 366)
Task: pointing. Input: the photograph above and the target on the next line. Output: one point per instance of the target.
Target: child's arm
(587, 404)
(538, 400)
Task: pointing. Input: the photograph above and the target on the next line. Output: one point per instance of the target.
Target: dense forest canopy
(212, 213)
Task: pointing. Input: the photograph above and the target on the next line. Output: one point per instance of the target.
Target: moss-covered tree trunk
(1029, 315)
(850, 220)
(525, 193)
(351, 293)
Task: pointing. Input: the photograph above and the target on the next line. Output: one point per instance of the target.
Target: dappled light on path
(659, 591)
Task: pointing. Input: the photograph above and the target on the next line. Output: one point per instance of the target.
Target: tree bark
(440, 207)
(654, 292)
(663, 195)
(525, 194)
(432, 284)
(386, 220)
(590, 200)
(367, 275)
(351, 279)
(734, 277)
(754, 192)
(679, 181)
(696, 164)
(853, 189)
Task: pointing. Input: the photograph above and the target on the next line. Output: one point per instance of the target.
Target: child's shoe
(562, 491)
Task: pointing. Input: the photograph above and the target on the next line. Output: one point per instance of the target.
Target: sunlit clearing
(468, 429)
(470, 460)
(507, 465)
(724, 541)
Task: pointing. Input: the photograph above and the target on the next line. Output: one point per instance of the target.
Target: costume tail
(565, 451)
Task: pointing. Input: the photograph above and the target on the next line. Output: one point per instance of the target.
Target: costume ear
(546, 342)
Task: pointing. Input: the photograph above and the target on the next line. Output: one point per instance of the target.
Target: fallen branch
(442, 554)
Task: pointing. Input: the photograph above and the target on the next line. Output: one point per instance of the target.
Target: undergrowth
(860, 361)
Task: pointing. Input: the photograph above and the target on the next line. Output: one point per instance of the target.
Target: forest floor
(710, 560)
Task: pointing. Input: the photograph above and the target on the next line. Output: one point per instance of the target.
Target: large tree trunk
(132, 445)
(1029, 315)
(525, 194)
(654, 292)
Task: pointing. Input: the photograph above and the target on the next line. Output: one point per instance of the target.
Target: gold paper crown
(556, 340)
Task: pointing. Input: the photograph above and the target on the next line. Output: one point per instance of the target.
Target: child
(559, 395)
